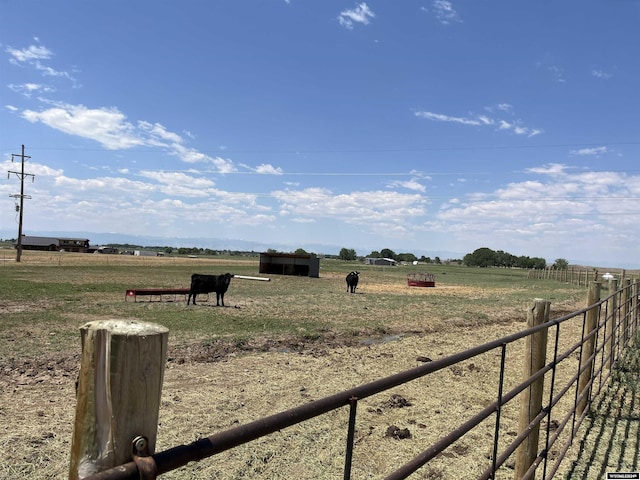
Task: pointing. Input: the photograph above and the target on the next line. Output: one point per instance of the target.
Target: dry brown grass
(202, 398)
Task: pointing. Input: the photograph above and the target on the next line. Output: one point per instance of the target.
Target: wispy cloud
(514, 126)
(601, 74)
(29, 54)
(268, 169)
(411, 184)
(549, 169)
(556, 73)
(28, 89)
(33, 56)
(360, 14)
(110, 128)
(355, 208)
(593, 151)
(554, 210)
(445, 13)
(439, 117)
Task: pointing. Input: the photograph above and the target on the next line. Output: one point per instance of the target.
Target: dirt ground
(214, 386)
(211, 388)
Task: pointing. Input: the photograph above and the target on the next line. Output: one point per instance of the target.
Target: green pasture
(46, 298)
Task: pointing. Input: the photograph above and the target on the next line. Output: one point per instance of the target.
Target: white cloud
(360, 14)
(483, 121)
(110, 128)
(601, 74)
(553, 212)
(412, 184)
(177, 179)
(365, 208)
(33, 56)
(549, 169)
(447, 118)
(28, 89)
(594, 151)
(268, 169)
(445, 13)
(107, 126)
(32, 52)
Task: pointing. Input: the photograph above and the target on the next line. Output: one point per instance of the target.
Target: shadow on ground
(611, 442)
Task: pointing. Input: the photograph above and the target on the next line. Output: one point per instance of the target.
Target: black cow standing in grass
(207, 284)
(352, 281)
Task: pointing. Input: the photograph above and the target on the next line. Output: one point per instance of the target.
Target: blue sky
(434, 127)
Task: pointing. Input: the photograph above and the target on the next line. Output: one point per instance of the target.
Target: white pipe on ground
(244, 277)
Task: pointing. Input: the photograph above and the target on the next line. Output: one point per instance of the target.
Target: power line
(21, 175)
(227, 151)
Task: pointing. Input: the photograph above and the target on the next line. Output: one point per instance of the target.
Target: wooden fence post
(626, 308)
(612, 306)
(118, 393)
(634, 302)
(588, 347)
(531, 397)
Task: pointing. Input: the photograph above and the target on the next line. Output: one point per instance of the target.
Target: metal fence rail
(617, 327)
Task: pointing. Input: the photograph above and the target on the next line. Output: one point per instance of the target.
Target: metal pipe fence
(616, 329)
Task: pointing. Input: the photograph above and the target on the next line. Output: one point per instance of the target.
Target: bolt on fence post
(586, 362)
(531, 397)
(118, 393)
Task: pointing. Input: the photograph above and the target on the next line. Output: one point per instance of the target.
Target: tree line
(481, 257)
(350, 254)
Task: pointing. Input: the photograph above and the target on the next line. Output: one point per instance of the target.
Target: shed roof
(39, 241)
(45, 241)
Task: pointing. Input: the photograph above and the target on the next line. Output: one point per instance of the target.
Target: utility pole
(21, 175)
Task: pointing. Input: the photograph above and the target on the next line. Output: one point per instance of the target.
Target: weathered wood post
(612, 306)
(634, 303)
(626, 308)
(591, 323)
(118, 393)
(531, 397)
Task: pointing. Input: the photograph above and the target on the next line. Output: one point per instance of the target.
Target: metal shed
(54, 244)
(290, 264)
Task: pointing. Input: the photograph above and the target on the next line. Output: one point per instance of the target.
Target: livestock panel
(559, 418)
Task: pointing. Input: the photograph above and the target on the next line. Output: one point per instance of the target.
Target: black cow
(352, 281)
(207, 284)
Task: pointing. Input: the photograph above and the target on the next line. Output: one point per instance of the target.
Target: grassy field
(56, 293)
(276, 344)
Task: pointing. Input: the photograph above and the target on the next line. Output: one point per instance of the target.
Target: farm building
(379, 261)
(107, 250)
(145, 253)
(54, 244)
(290, 264)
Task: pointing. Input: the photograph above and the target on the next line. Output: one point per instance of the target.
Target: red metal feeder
(421, 280)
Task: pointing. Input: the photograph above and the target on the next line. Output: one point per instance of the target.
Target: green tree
(560, 264)
(301, 251)
(407, 257)
(388, 253)
(481, 257)
(539, 263)
(347, 254)
(375, 254)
